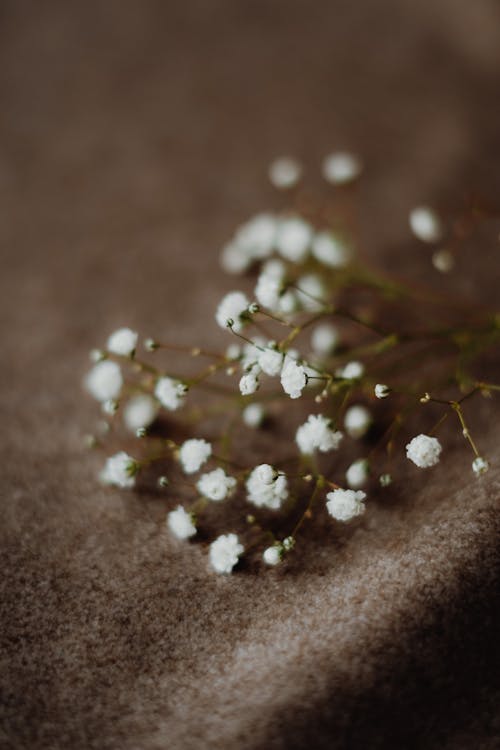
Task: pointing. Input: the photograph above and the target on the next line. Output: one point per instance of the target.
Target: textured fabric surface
(134, 137)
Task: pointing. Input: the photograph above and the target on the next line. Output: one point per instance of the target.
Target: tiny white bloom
(271, 361)
(424, 451)
(329, 250)
(234, 259)
(357, 474)
(284, 172)
(193, 454)
(324, 338)
(181, 523)
(317, 434)
(344, 505)
(233, 352)
(270, 284)
(119, 470)
(357, 420)
(104, 381)
(341, 167)
(257, 236)
(170, 393)
(480, 466)
(224, 553)
(272, 555)
(253, 415)
(249, 383)
(385, 480)
(231, 309)
(382, 390)
(139, 411)
(351, 371)
(122, 342)
(293, 378)
(443, 260)
(110, 407)
(216, 485)
(293, 239)
(426, 224)
(288, 301)
(251, 353)
(311, 292)
(266, 488)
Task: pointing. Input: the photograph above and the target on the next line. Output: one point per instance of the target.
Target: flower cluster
(303, 352)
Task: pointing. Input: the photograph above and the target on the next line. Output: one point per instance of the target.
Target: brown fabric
(135, 136)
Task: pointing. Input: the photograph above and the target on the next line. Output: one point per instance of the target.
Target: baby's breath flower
(426, 224)
(249, 383)
(151, 345)
(294, 238)
(443, 260)
(193, 454)
(257, 236)
(288, 302)
(123, 342)
(324, 338)
(385, 480)
(272, 555)
(231, 310)
(381, 390)
(170, 393)
(293, 378)
(253, 415)
(357, 420)
(224, 553)
(140, 411)
(341, 167)
(284, 172)
(181, 523)
(311, 292)
(266, 488)
(351, 371)
(119, 470)
(317, 434)
(357, 474)
(110, 407)
(216, 485)
(234, 259)
(329, 250)
(96, 355)
(270, 284)
(424, 451)
(233, 352)
(104, 381)
(344, 505)
(480, 466)
(271, 361)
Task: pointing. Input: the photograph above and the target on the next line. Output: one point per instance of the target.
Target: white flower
(139, 412)
(382, 390)
(357, 473)
(110, 407)
(329, 250)
(324, 338)
(256, 237)
(181, 523)
(424, 451)
(341, 167)
(249, 383)
(344, 505)
(233, 352)
(170, 393)
(253, 415)
(272, 555)
(310, 292)
(426, 224)
(193, 454)
(293, 378)
(385, 480)
(251, 353)
(234, 259)
(122, 342)
(270, 284)
(104, 381)
(266, 488)
(443, 260)
(119, 470)
(357, 420)
(271, 361)
(215, 485)
(317, 434)
(294, 238)
(480, 466)
(351, 371)
(284, 172)
(231, 309)
(224, 553)
(288, 301)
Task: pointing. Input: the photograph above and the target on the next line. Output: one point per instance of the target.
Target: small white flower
(317, 434)
(344, 505)
(266, 488)
(104, 381)
(272, 555)
(193, 454)
(249, 383)
(357, 474)
(311, 292)
(426, 224)
(257, 236)
(357, 420)
(293, 378)
(271, 361)
(231, 309)
(253, 415)
(284, 172)
(341, 167)
(443, 260)
(385, 480)
(351, 371)
(329, 250)
(480, 466)
(122, 342)
(288, 301)
(215, 485)
(251, 353)
(119, 470)
(382, 390)
(139, 412)
(234, 259)
(324, 338)
(170, 393)
(233, 352)
(110, 407)
(181, 523)
(424, 451)
(294, 239)
(270, 284)
(224, 553)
